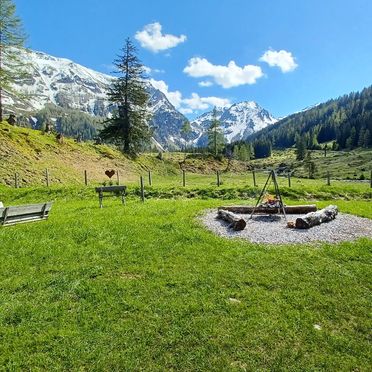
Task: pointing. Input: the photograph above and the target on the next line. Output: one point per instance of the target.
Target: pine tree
(300, 147)
(185, 132)
(12, 39)
(128, 127)
(367, 138)
(215, 137)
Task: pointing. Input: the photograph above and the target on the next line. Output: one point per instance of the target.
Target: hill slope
(29, 152)
(346, 120)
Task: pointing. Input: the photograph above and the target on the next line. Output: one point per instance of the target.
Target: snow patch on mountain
(69, 85)
(238, 121)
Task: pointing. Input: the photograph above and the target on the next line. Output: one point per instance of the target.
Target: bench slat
(110, 188)
(26, 209)
(23, 219)
(24, 213)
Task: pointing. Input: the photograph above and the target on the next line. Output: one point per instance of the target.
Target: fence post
(150, 178)
(47, 177)
(183, 178)
(16, 180)
(289, 179)
(117, 176)
(218, 178)
(254, 178)
(328, 179)
(142, 189)
(86, 177)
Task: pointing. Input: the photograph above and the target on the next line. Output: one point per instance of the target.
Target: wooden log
(236, 223)
(316, 218)
(289, 209)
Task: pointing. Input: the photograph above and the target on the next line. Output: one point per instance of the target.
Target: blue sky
(284, 54)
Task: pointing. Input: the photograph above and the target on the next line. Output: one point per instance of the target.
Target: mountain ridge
(71, 86)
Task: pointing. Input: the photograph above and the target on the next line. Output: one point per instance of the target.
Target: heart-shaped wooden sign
(109, 173)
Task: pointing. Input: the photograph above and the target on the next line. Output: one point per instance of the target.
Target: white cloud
(191, 104)
(175, 98)
(196, 102)
(150, 71)
(228, 76)
(152, 38)
(147, 70)
(205, 83)
(282, 59)
(186, 111)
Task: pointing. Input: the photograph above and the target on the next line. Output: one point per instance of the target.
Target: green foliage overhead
(128, 127)
(12, 38)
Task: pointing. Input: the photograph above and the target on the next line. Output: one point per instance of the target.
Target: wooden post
(142, 189)
(183, 178)
(86, 178)
(328, 179)
(218, 178)
(254, 178)
(47, 177)
(117, 177)
(289, 179)
(16, 180)
(150, 178)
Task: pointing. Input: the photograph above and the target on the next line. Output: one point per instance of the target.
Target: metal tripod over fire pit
(272, 177)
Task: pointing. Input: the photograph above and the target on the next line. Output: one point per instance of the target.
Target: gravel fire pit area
(272, 229)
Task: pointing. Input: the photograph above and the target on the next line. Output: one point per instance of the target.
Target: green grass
(146, 287)
(28, 153)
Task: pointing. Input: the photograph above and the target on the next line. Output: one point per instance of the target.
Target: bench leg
(123, 198)
(100, 199)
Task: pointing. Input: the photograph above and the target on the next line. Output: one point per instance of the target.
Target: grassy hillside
(29, 152)
(355, 164)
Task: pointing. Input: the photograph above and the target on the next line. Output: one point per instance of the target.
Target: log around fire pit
(236, 223)
(316, 218)
(289, 209)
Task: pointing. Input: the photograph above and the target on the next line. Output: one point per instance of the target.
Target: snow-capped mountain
(237, 121)
(61, 82)
(166, 120)
(69, 85)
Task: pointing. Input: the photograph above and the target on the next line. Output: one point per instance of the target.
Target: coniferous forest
(347, 121)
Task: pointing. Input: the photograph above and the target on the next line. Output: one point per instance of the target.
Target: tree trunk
(291, 209)
(236, 223)
(316, 218)
(1, 67)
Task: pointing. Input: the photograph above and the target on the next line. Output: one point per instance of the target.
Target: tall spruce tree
(185, 132)
(12, 38)
(300, 147)
(215, 137)
(128, 127)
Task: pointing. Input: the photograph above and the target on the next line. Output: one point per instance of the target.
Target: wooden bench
(116, 190)
(24, 213)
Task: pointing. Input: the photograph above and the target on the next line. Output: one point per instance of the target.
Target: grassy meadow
(145, 287)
